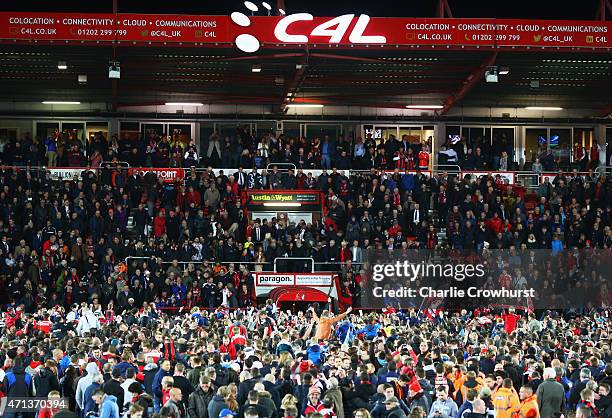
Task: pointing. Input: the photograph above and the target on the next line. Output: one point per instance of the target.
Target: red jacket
(229, 349)
(496, 225)
(194, 198)
(159, 226)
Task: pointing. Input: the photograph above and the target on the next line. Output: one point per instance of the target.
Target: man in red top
(495, 224)
(44, 325)
(505, 280)
(400, 160)
(314, 403)
(510, 320)
(49, 411)
(423, 159)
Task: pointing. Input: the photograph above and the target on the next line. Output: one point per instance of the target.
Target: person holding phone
(443, 406)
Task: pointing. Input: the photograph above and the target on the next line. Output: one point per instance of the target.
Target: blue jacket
(346, 332)
(18, 382)
(390, 184)
(51, 144)
(315, 354)
(64, 364)
(557, 247)
(156, 386)
(123, 366)
(88, 404)
(407, 182)
(370, 331)
(466, 408)
(109, 407)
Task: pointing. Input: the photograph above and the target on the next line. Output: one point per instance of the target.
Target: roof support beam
(470, 82)
(348, 58)
(604, 112)
(295, 82)
(444, 9)
(601, 10)
(114, 82)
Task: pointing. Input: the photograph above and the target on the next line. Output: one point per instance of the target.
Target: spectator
(107, 404)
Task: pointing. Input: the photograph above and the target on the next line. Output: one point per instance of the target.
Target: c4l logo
(333, 29)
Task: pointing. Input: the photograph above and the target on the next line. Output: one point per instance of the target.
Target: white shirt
(127, 396)
(452, 155)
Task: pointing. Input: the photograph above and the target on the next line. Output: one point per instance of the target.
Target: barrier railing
(238, 263)
(446, 168)
(172, 174)
(280, 166)
(117, 164)
(603, 169)
(312, 268)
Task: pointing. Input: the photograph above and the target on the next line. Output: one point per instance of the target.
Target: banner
(169, 175)
(284, 197)
(266, 282)
(295, 198)
(302, 28)
(107, 28)
(68, 173)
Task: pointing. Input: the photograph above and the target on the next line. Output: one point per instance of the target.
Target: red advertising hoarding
(168, 175)
(274, 31)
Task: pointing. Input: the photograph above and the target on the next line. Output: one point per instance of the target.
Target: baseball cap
(225, 412)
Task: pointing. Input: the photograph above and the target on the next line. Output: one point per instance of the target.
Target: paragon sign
(265, 282)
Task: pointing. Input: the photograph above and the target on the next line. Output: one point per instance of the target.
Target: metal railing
(446, 168)
(270, 166)
(312, 268)
(110, 164)
(530, 179)
(238, 263)
(603, 169)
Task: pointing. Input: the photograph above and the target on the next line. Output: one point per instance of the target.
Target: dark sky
(528, 9)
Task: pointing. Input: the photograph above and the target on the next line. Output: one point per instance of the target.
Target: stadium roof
(398, 74)
(392, 79)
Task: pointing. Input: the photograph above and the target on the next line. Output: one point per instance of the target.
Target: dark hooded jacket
(44, 382)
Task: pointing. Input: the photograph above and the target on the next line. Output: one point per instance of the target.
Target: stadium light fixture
(305, 105)
(61, 65)
(491, 75)
(543, 108)
(256, 68)
(283, 204)
(60, 102)
(424, 107)
(183, 104)
(251, 6)
(267, 7)
(504, 70)
(282, 12)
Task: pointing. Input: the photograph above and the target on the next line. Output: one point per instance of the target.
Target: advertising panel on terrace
(347, 30)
